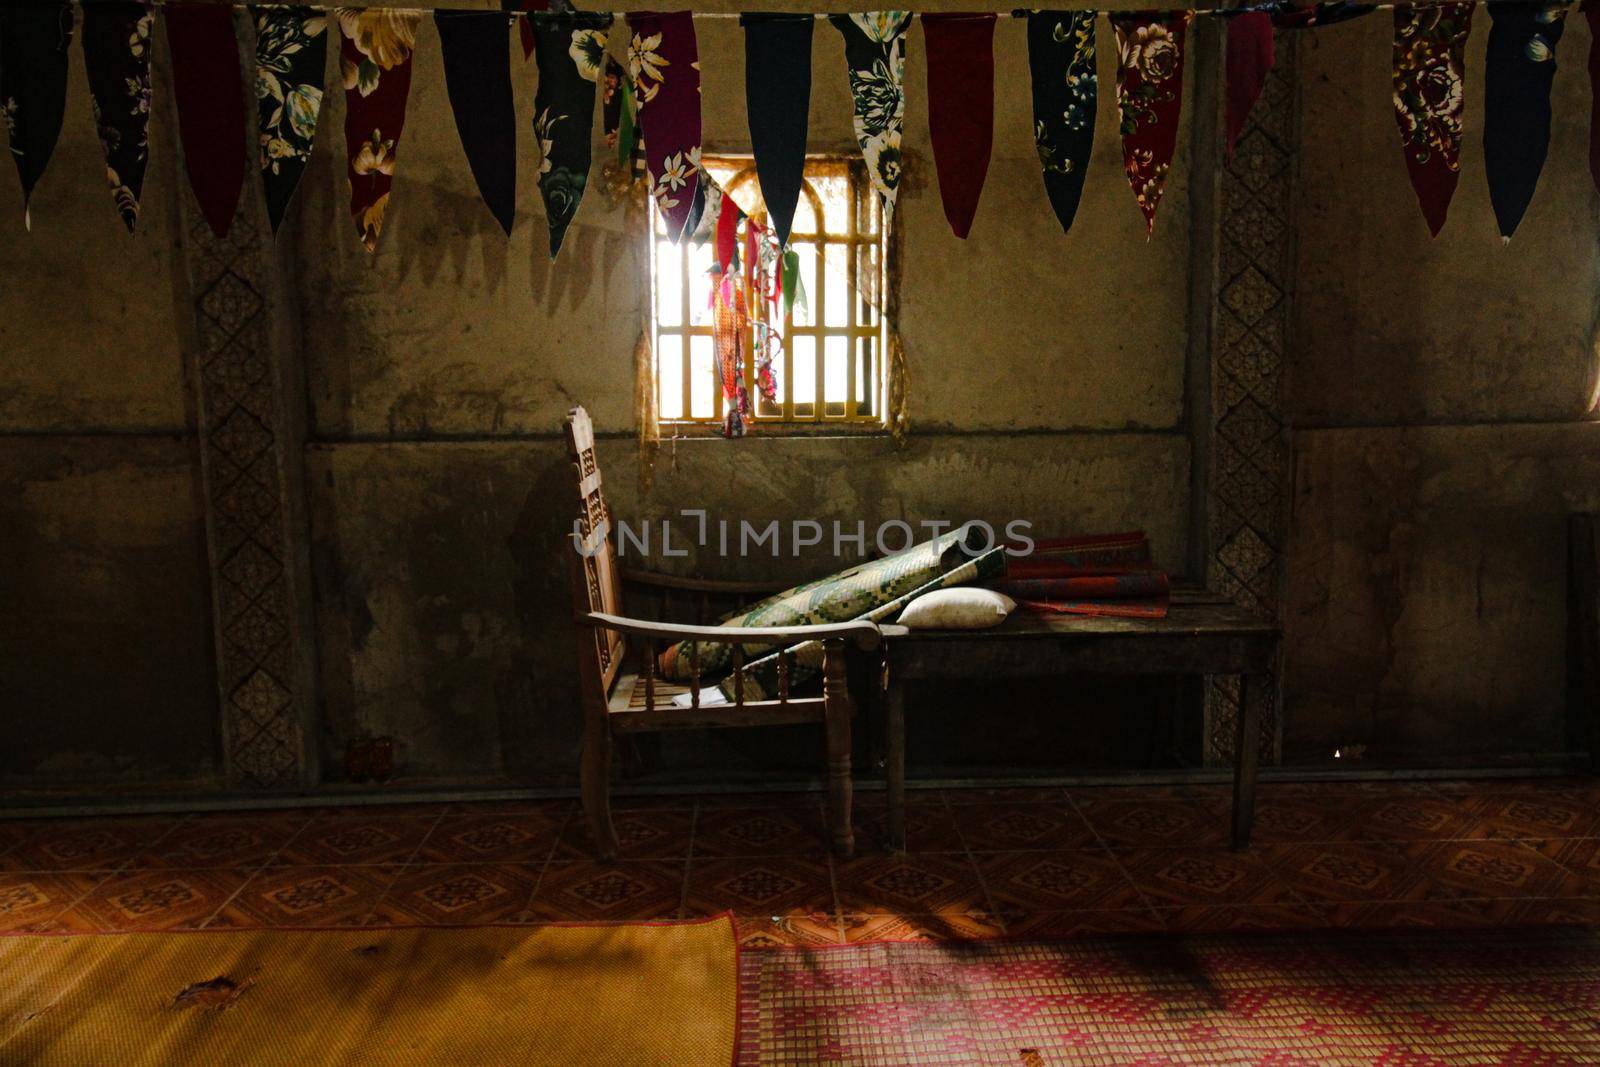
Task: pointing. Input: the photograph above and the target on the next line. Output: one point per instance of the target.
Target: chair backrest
(593, 565)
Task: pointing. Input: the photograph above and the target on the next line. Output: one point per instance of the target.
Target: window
(827, 348)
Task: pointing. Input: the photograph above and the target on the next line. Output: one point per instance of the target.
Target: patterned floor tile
(1047, 794)
(1557, 912)
(919, 884)
(422, 809)
(1155, 822)
(29, 898)
(14, 832)
(154, 900)
(1541, 815)
(1049, 925)
(1015, 827)
(1178, 877)
(308, 896)
(647, 833)
(87, 844)
(930, 827)
(780, 831)
(763, 885)
(554, 809)
(506, 837)
(223, 840)
(1449, 913)
(1077, 880)
(773, 931)
(1579, 861)
(356, 840)
(950, 926)
(628, 890)
(797, 798)
(1343, 871)
(1405, 816)
(1218, 918)
(460, 895)
(1297, 817)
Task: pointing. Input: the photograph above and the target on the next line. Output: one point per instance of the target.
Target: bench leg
(836, 712)
(1246, 750)
(594, 777)
(897, 765)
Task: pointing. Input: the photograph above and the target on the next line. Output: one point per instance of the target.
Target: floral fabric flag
(206, 88)
(291, 54)
(1251, 54)
(476, 49)
(1429, 97)
(777, 87)
(875, 52)
(1066, 89)
(375, 46)
(960, 109)
(613, 108)
(572, 56)
(664, 63)
(1150, 99)
(1519, 71)
(33, 86)
(116, 54)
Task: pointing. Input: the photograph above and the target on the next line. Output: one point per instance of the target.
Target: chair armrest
(863, 633)
(698, 585)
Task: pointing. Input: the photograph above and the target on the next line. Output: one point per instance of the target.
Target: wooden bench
(1203, 634)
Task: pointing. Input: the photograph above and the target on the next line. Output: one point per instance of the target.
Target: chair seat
(627, 694)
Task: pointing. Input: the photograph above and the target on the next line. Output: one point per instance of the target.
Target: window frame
(818, 422)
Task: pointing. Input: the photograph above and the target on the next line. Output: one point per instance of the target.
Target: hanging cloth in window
(375, 49)
(1061, 60)
(960, 109)
(730, 325)
(1150, 99)
(1518, 73)
(664, 62)
(1251, 54)
(571, 51)
(477, 78)
(1429, 97)
(875, 52)
(777, 86)
(291, 53)
(33, 86)
(116, 55)
(207, 90)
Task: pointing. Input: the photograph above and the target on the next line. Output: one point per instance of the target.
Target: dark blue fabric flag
(1061, 59)
(33, 85)
(1520, 68)
(571, 49)
(777, 85)
(476, 46)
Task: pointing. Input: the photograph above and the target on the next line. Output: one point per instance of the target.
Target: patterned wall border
(1249, 440)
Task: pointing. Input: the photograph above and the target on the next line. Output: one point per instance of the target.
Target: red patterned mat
(1506, 997)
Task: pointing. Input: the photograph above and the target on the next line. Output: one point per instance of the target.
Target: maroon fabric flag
(1251, 54)
(375, 46)
(211, 118)
(1429, 99)
(1591, 9)
(1150, 98)
(664, 63)
(960, 109)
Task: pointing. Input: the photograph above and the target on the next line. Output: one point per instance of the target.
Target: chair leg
(1247, 746)
(837, 710)
(594, 776)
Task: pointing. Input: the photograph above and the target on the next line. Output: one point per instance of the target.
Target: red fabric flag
(1251, 54)
(960, 109)
(1429, 99)
(207, 89)
(375, 47)
(1150, 98)
(727, 232)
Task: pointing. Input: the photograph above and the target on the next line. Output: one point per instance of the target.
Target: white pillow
(960, 608)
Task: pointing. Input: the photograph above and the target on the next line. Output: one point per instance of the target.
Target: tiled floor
(1024, 862)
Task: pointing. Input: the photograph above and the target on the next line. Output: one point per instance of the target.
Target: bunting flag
(664, 62)
(614, 111)
(875, 52)
(1591, 9)
(1061, 60)
(960, 109)
(291, 54)
(375, 46)
(475, 46)
(1520, 68)
(33, 86)
(1150, 99)
(730, 325)
(572, 54)
(777, 86)
(1429, 100)
(1251, 54)
(207, 90)
(1292, 16)
(116, 54)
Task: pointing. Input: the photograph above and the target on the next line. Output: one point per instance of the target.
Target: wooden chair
(622, 702)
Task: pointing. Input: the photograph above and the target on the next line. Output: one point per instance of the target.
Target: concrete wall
(1440, 395)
